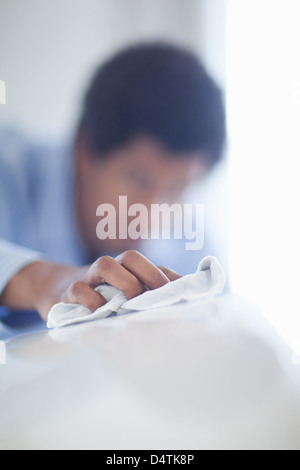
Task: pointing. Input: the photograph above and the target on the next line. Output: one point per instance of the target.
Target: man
(152, 124)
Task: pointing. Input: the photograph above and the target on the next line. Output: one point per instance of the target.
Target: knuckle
(130, 257)
(73, 292)
(104, 263)
(75, 288)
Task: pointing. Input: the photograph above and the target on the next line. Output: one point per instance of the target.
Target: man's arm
(38, 286)
(31, 283)
(13, 258)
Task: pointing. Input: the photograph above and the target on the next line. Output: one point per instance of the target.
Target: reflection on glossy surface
(198, 375)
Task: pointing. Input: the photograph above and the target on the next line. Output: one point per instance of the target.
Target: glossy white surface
(199, 375)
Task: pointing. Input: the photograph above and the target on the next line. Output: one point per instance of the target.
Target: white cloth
(209, 280)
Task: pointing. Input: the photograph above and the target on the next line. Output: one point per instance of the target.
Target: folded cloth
(209, 280)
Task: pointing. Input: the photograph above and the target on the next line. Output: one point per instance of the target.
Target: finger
(143, 269)
(107, 269)
(81, 293)
(172, 275)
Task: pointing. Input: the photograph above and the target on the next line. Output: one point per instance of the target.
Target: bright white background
(263, 86)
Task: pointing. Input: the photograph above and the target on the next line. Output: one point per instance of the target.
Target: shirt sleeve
(13, 258)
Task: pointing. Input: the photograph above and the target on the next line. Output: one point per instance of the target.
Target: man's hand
(130, 272)
(43, 284)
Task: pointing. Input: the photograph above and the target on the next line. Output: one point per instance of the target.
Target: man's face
(142, 170)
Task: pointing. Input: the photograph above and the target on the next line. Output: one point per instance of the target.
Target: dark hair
(158, 90)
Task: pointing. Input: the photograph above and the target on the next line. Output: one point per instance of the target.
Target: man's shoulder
(15, 149)
(25, 157)
(29, 170)
(12, 139)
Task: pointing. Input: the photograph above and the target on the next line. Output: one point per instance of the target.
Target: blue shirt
(37, 198)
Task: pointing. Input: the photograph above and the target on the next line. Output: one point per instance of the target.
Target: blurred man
(152, 124)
